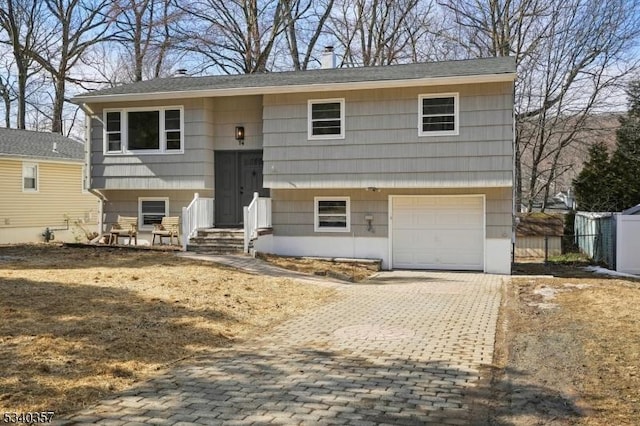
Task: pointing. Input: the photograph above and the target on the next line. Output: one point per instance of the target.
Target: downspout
(514, 193)
(87, 160)
(102, 198)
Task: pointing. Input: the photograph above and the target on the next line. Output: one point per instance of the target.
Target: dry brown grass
(588, 345)
(77, 324)
(349, 271)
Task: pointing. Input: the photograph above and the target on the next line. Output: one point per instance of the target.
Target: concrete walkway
(402, 348)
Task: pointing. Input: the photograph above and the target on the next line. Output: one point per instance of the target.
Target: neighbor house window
(151, 211)
(30, 177)
(438, 114)
(326, 119)
(332, 214)
(144, 130)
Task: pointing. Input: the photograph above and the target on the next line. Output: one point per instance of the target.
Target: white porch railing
(198, 214)
(257, 215)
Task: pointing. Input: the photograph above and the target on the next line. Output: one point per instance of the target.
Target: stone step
(223, 233)
(214, 249)
(217, 241)
(214, 240)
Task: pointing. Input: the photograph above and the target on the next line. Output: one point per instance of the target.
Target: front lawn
(77, 324)
(568, 350)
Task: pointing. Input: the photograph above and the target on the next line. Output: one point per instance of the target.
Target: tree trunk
(58, 105)
(22, 94)
(517, 176)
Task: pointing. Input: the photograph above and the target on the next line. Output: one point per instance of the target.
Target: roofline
(22, 157)
(324, 87)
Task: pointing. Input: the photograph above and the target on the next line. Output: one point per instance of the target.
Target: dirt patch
(352, 271)
(77, 324)
(568, 351)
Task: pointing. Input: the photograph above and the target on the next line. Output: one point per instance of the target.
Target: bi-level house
(411, 164)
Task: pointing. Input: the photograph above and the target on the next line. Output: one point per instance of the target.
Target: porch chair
(127, 226)
(169, 227)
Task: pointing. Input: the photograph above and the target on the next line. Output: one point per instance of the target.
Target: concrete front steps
(218, 241)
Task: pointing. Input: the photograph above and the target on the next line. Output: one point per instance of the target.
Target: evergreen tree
(614, 184)
(593, 188)
(625, 161)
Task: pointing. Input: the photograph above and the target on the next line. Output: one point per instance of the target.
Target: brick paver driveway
(401, 349)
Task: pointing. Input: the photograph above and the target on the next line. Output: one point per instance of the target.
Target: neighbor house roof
(430, 73)
(39, 145)
(539, 225)
(632, 211)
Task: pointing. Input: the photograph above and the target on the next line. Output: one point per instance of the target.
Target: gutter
(88, 113)
(309, 87)
(102, 198)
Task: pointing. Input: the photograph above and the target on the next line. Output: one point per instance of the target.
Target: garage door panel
(438, 232)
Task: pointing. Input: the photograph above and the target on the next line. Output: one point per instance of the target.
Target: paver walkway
(403, 348)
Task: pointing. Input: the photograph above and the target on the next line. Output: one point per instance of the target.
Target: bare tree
(571, 56)
(233, 36)
(304, 21)
(379, 32)
(145, 32)
(7, 93)
(75, 27)
(21, 20)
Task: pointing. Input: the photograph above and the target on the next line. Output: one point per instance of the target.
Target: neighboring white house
(43, 186)
(411, 164)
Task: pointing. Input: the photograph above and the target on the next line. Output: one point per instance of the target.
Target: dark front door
(238, 174)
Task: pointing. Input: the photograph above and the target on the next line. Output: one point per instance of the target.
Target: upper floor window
(29, 177)
(148, 130)
(438, 114)
(326, 119)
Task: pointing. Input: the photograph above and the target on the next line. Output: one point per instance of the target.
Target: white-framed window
(332, 214)
(325, 118)
(30, 177)
(144, 130)
(438, 114)
(151, 210)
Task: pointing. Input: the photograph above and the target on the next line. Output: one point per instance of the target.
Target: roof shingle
(460, 68)
(27, 143)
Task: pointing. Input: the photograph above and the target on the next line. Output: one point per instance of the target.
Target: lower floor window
(332, 214)
(152, 210)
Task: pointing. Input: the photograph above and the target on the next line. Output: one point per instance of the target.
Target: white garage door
(438, 232)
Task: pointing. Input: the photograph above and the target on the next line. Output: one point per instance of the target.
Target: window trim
(316, 215)
(106, 132)
(310, 103)
(141, 224)
(36, 169)
(456, 114)
(124, 128)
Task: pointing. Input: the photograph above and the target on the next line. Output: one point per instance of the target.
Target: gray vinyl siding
(382, 147)
(209, 125)
(125, 202)
(293, 210)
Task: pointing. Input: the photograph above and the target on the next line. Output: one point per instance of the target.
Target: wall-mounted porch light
(240, 134)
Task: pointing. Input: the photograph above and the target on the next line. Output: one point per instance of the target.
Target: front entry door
(238, 174)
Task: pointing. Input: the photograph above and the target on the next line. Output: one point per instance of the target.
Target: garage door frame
(484, 221)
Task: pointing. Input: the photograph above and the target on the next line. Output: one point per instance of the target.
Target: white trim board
(324, 87)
